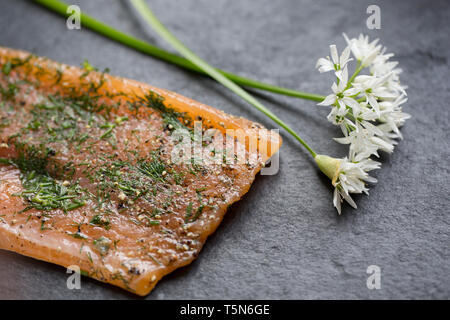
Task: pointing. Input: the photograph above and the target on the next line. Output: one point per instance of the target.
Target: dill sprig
(135, 179)
(153, 169)
(173, 119)
(40, 190)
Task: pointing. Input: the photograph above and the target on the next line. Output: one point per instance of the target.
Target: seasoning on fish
(95, 172)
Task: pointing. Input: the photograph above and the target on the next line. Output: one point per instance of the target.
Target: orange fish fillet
(88, 176)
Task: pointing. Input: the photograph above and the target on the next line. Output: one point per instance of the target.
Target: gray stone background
(283, 240)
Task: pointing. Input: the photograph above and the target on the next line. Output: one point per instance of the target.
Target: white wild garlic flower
(368, 109)
(336, 62)
(347, 177)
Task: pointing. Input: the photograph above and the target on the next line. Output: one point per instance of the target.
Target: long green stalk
(145, 47)
(153, 21)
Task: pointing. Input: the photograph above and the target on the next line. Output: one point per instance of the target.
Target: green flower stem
(153, 21)
(145, 47)
(358, 69)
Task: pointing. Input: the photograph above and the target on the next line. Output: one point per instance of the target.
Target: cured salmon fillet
(88, 176)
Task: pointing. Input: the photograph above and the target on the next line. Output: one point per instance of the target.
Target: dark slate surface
(284, 240)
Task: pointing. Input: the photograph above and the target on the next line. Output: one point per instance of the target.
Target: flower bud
(329, 166)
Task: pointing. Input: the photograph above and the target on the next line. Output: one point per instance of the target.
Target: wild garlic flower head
(375, 97)
(374, 89)
(341, 98)
(364, 51)
(392, 115)
(381, 65)
(336, 62)
(347, 177)
(365, 142)
(367, 106)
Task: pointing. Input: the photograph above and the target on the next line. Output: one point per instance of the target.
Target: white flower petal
(349, 200)
(337, 200)
(334, 54)
(344, 59)
(324, 65)
(343, 77)
(328, 101)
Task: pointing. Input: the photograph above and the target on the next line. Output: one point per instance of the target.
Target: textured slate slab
(284, 239)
